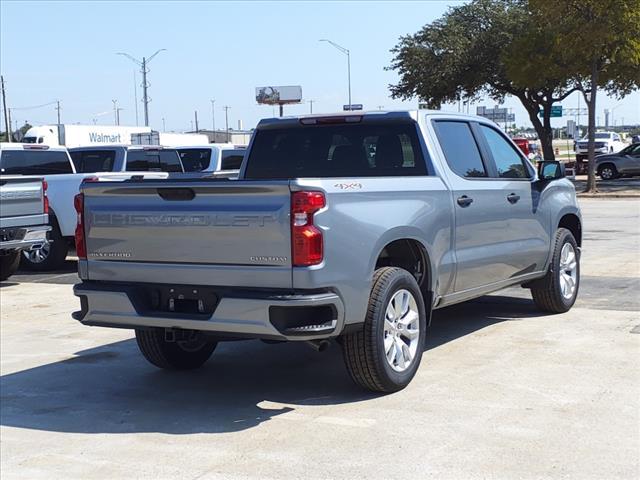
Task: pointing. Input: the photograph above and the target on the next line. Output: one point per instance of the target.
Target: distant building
(237, 137)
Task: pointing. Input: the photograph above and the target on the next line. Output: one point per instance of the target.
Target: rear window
(34, 162)
(361, 150)
(89, 161)
(232, 159)
(153, 161)
(195, 159)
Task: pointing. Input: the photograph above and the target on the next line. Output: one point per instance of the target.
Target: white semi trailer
(82, 135)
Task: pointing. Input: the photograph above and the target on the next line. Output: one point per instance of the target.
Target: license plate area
(176, 301)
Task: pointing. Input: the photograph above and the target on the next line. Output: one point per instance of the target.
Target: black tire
(364, 351)
(608, 171)
(51, 260)
(547, 292)
(177, 355)
(9, 264)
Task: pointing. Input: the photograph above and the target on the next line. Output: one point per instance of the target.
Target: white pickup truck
(63, 177)
(605, 142)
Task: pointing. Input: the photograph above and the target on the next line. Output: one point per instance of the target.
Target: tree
(474, 50)
(597, 45)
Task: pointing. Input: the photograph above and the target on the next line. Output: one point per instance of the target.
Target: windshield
(34, 162)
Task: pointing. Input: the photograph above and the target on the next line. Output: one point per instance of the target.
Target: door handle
(513, 198)
(464, 201)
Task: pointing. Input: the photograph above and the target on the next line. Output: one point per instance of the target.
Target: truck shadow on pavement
(111, 388)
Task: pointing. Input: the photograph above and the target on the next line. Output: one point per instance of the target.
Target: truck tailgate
(22, 201)
(189, 232)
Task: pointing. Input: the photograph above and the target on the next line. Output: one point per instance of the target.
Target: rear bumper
(23, 238)
(244, 313)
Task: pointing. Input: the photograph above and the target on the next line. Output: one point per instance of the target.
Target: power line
(35, 106)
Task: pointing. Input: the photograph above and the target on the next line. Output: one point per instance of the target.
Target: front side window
(509, 163)
(460, 148)
(34, 162)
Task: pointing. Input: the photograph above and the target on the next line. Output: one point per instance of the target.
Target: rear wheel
(9, 264)
(384, 356)
(607, 171)
(185, 354)
(558, 290)
(50, 257)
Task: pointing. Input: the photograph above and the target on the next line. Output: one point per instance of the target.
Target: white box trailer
(82, 135)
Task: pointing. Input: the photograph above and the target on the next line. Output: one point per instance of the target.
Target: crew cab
(63, 177)
(350, 226)
(220, 159)
(605, 142)
(24, 209)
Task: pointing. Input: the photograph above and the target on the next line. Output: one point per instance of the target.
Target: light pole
(347, 53)
(143, 69)
(213, 118)
(115, 111)
(226, 120)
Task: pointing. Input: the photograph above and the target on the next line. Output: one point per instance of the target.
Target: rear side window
(153, 161)
(508, 162)
(232, 159)
(195, 159)
(93, 161)
(34, 162)
(460, 148)
(357, 150)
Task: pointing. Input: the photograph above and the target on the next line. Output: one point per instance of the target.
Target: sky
(66, 51)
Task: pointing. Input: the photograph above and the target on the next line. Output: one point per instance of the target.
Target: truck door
(487, 249)
(526, 234)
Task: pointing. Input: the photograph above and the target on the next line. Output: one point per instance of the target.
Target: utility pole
(59, 126)
(311, 106)
(164, 127)
(226, 121)
(195, 112)
(135, 95)
(9, 128)
(145, 85)
(213, 118)
(7, 123)
(115, 112)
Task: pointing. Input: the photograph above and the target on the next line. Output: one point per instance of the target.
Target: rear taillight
(306, 238)
(45, 199)
(81, 244)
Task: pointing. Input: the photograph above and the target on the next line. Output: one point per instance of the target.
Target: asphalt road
(503, 392)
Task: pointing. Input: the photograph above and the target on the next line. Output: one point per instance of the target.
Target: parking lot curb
(605, 196)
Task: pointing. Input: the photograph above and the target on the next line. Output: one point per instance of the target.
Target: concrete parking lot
(503, 392)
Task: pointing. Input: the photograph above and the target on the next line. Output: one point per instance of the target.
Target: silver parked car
(614, 165)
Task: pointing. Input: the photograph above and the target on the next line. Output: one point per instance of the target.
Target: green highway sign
(556, 111)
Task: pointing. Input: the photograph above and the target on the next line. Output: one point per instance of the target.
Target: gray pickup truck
(24, 219)
(347, 226)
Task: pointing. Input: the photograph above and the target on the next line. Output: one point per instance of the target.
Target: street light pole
(213, 118)
(143, 66)
(348, 54)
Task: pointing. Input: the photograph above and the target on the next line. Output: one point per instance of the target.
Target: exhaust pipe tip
(319, 345)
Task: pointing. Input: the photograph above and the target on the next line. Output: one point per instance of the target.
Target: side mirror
(548, 170)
